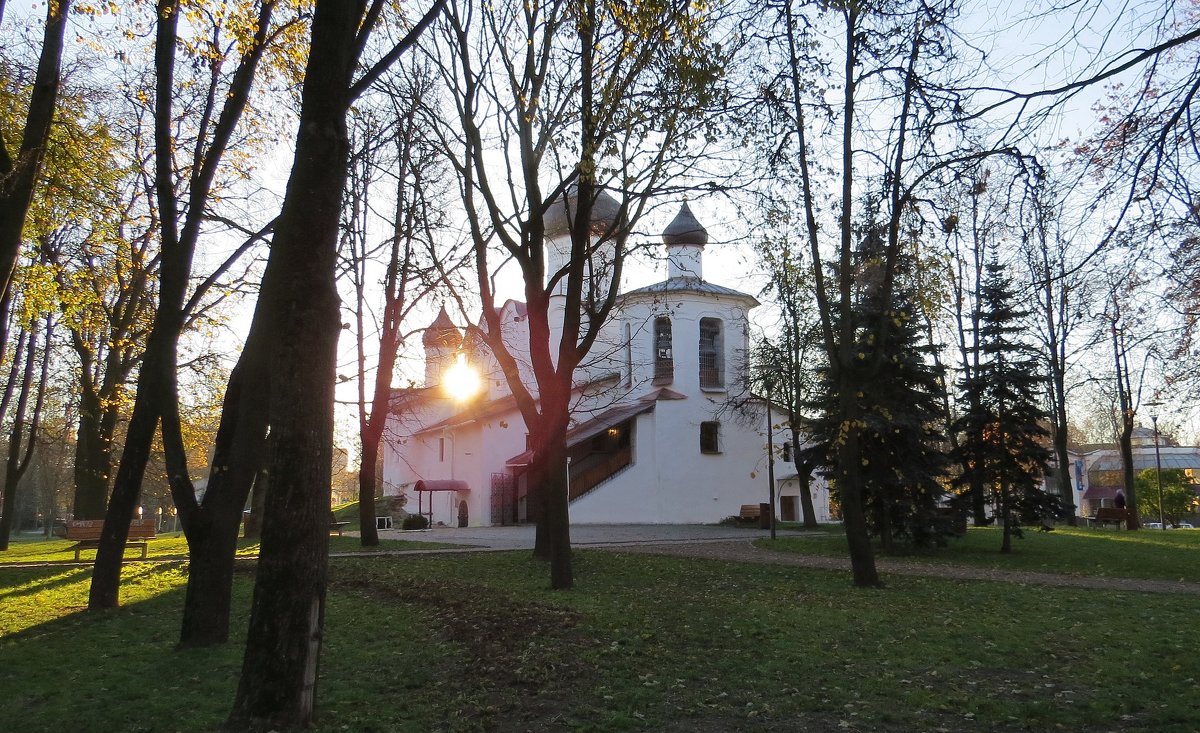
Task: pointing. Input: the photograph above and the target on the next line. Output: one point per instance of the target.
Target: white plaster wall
(685, 311)
(515, 330)
(672, 482)
(406, 457)
(820, 496)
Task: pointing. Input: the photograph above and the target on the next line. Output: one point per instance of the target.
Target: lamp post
(769, 384)
(1158, 471)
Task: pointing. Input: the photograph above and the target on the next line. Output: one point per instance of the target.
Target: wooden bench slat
(86, 534)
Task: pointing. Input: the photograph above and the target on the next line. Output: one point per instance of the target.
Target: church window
(712, 368)
(664, 363)
(441, 450)
(710, 437)
(628, 355)
(787, 452)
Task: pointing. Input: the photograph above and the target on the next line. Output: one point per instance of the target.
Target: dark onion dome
(685, 229)
(442, 332)
(558, 217)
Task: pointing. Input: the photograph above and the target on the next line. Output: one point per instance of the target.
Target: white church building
(664, 428)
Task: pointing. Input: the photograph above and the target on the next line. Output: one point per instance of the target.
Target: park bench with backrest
(86, 534)
(335, 525)
(750, 512)
(1111, 515)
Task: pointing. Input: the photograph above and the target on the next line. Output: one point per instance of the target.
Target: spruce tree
(1004, 440)
(901, 404)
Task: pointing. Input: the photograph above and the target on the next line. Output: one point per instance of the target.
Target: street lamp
(1158, 470)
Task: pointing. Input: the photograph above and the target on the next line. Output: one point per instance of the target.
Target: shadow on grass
(34, 581)
(115, 669)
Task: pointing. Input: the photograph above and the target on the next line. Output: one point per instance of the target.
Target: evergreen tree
(902, 408)
(1004, 441)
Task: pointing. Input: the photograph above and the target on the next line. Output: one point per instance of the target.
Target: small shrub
(415, 521)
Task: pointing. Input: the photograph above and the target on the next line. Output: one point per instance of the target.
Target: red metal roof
(593, 427)
(1097, 492)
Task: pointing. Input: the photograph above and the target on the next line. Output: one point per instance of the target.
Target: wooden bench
(86, 534)
(1111, 515)
(750, 512)
(335, 525)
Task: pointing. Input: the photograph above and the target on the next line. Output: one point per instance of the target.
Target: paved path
(584, 535)
(733, 544)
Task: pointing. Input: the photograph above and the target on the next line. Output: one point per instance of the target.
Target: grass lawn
(1154, 554)
(172, 545)
(644, 643)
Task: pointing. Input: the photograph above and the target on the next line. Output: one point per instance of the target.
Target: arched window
(664, 363)
(712, 366)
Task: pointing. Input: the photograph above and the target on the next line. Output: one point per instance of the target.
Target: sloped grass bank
(1146, 553)
(644, 643)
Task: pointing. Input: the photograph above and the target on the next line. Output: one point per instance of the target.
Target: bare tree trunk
(93, 457)
(23, 437)
(18, 177)
(106, 572)
(157, 394)
(278, 683)
(368, 527)
(237, 457)
(804, 471)
(1061, 455)
(883, 521)
(862, 556)
(1125, 398)
(212, 545)
(1006, 514)
(557, 520)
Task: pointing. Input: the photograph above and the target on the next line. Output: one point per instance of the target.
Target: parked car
(1152, 525)
(1184, 525)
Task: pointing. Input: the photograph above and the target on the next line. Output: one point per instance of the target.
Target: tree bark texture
(1006, 517)
(368, 527)
(804, 471)
(1125, 400)
(278, 683)
(18, 176)
(557, 521)
(106, 572)
(854, 520)
(24, 432)
(93, 458)
(237, 458)
(212, 544)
